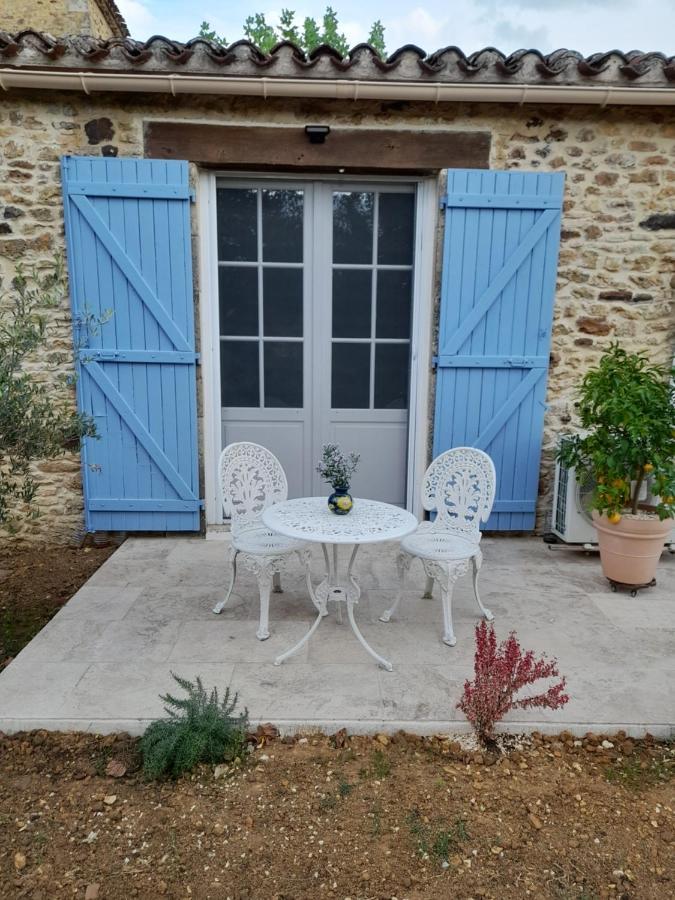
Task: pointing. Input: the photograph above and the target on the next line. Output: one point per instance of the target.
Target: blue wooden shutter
(129, 255)
(502, 231)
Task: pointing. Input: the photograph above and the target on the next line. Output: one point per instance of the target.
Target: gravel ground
(341, 817)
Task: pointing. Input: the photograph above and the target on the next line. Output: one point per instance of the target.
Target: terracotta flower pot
(630, 549)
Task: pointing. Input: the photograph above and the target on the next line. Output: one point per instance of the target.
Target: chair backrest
(251, 479)
(459, 486)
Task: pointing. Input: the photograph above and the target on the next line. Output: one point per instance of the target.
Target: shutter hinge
(434, 362)
(443, 202)
(193, 195)
(198, 359)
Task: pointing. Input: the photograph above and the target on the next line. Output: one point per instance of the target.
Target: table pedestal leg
(301, 643)
(332, 589)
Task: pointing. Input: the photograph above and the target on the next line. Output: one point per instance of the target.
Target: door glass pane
(395, 229)
(391, 376)
(282, 215)
(238, 300)
(350, 376)
(352, 299)
(353, 227)
(283, 373)
(239, 373)
(393, 303)
(237, 224)
(282, 302)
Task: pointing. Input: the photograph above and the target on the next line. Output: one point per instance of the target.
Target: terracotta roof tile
(31, 49)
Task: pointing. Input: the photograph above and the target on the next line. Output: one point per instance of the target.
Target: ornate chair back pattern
(251, 479)
(459, 486)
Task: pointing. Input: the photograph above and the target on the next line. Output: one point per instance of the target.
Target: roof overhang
(90, 82)
(34, 60)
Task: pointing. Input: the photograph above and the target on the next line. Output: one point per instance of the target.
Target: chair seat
(262, 541)
(439, 545)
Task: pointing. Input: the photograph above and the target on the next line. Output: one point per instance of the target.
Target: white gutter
(337, 89)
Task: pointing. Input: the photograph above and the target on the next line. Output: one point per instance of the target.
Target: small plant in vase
(337, 469)
(626, 407)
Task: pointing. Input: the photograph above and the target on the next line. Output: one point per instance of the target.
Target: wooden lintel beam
(285, 148)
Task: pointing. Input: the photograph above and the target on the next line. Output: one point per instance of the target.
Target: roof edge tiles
(113, 17)
(32, 50)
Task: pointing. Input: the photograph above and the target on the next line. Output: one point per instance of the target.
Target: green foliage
(376, 37)
(438, 839)
(37, 419)
(379, 768)
(638, 774)
(331, 33)
(344, 787)
(627, 406)
(200, 728)
(335, 468)
(310, 35)
(260, 33)
(209, 34)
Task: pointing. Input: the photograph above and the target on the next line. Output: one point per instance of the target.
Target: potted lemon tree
(626, 409)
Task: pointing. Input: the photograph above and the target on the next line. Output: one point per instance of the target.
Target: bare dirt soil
(34, 585)
(341, 817)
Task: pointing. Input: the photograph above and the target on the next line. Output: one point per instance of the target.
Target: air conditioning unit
(571, 519)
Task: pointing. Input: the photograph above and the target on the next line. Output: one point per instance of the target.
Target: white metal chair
(459, 486)
(251, 478)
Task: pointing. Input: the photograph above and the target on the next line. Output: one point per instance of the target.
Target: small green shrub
(37, 416)
(437, 839)
(200, 728)
(344, 787)
(379, 767)
(626, 408)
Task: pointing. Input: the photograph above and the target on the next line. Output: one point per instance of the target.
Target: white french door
(315, 299)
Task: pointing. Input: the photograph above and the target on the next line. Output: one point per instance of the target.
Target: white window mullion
(373, 300)
(261, 343)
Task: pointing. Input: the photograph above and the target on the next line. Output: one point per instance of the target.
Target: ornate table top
(309, 519)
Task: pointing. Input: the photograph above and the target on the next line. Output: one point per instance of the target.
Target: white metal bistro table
(368, 522)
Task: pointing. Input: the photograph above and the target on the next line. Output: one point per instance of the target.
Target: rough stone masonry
(616, 278)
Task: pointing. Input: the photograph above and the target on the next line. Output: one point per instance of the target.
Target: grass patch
(330, 801)
(437, 839)
(379, 768)
(344, 787)
(18, 628)
(637, 773)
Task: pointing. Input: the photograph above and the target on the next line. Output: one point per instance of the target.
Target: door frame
(419, 418)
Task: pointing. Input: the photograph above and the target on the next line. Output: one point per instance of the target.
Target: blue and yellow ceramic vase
(340, 501)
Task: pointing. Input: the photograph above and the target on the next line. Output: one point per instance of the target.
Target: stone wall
(617, 264)
(54, 17)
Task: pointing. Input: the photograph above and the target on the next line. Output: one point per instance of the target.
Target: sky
(586, 25)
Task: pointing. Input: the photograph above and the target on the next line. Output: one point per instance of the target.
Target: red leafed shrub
(500, 672)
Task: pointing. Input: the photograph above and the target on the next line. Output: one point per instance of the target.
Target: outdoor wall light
(317, 133)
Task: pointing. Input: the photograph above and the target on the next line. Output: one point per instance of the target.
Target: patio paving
(101, 663)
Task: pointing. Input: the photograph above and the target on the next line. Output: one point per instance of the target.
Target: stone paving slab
(102, 662)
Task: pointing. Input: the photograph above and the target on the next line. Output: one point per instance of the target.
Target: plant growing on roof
(500, 672)
(627, 407)
(335, 467)
(200, 728)
(310, 35)
(37, 417)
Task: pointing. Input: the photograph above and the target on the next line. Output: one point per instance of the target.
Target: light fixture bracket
(317, 134)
